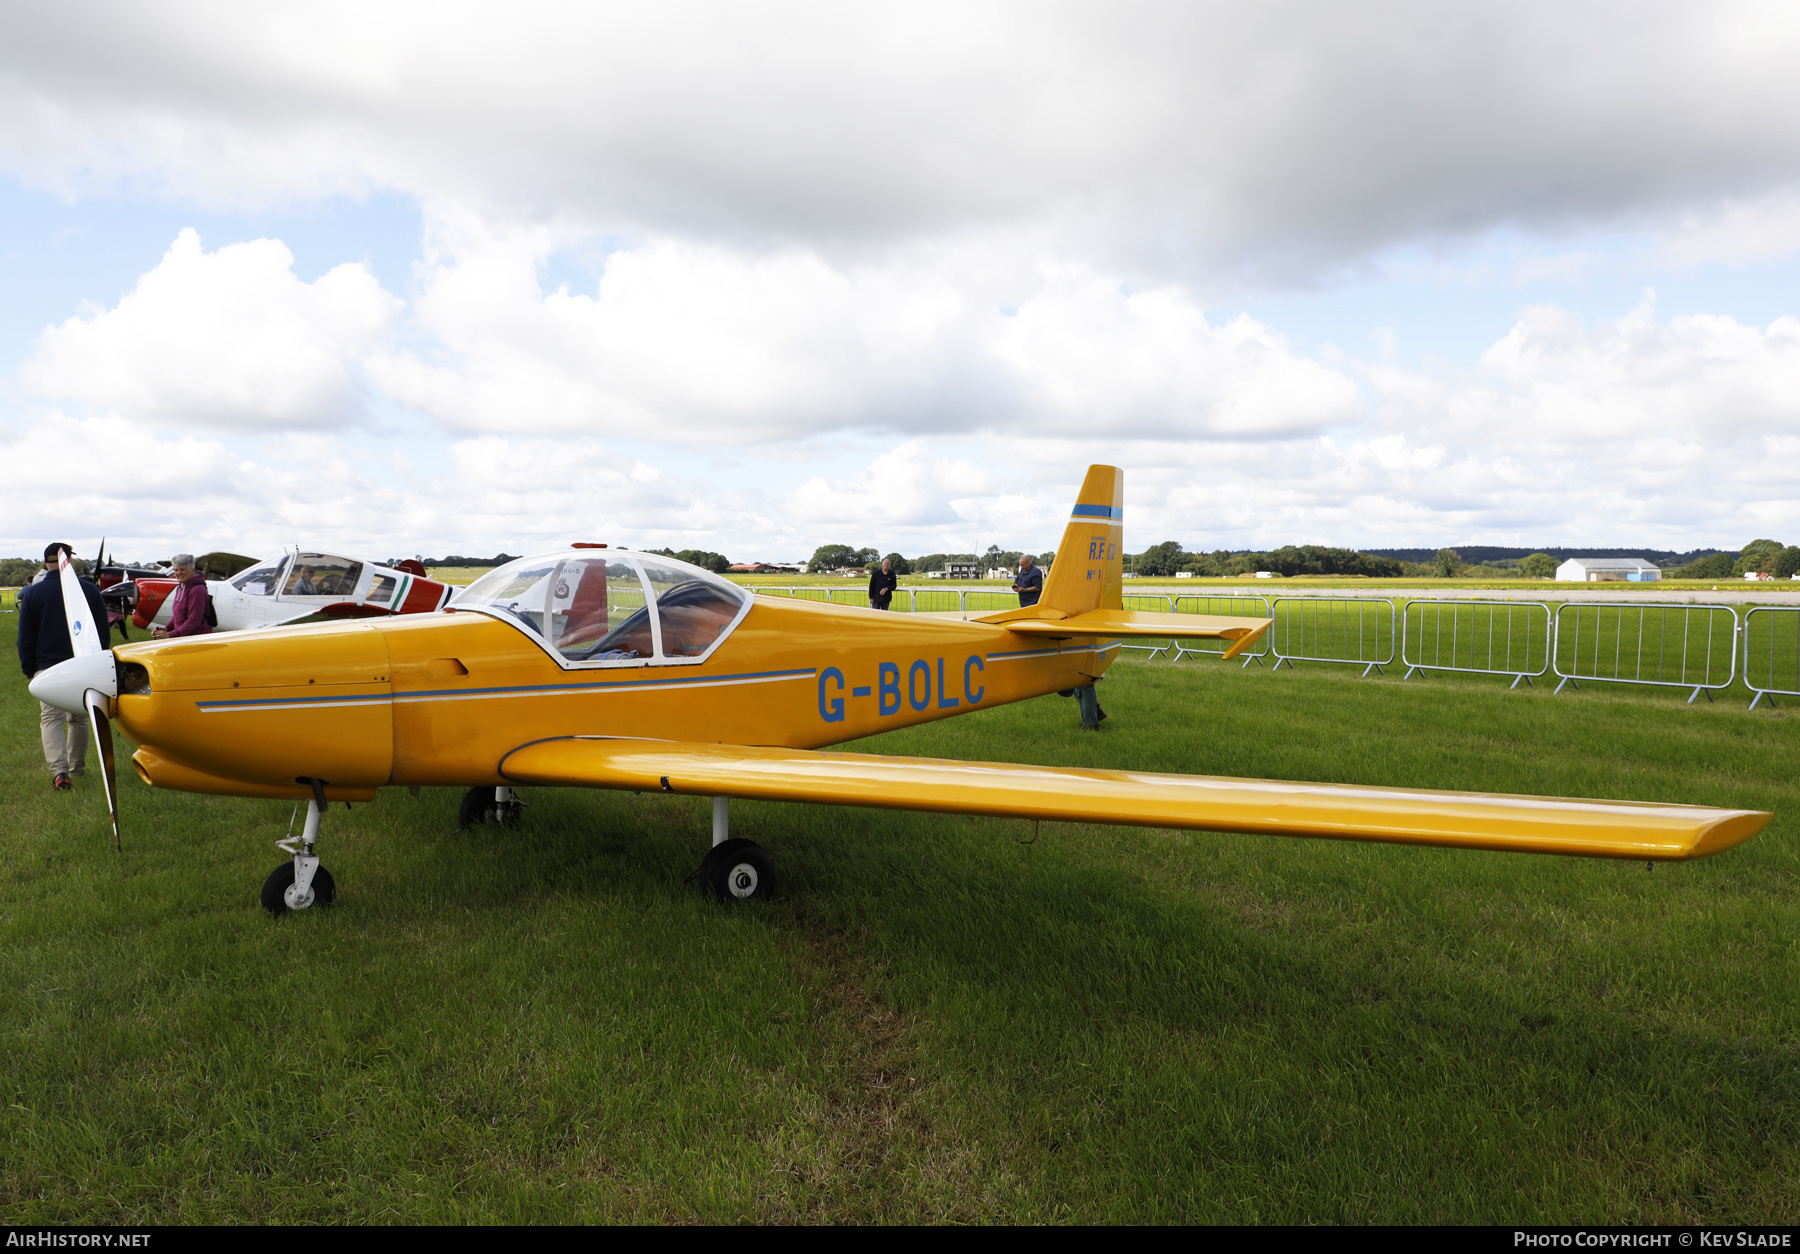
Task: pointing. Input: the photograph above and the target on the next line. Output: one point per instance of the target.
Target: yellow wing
(1602, 829)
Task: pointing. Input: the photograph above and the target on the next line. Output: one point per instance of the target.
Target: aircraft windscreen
(321, 575)
(693, 607)
(259, 582)
(517, 589)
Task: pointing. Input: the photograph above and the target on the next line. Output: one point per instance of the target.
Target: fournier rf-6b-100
(607, 668)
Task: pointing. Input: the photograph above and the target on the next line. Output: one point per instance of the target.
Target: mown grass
(939, 1018)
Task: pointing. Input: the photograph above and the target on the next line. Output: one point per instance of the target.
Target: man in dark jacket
(882, 584)
(43, 642)
(1030, 583)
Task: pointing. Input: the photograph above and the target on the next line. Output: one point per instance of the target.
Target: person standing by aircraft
(43, 642)
(1030, 583)
(882, 584)
(190, 611)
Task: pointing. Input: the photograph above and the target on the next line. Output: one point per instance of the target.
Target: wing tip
(1729, 831)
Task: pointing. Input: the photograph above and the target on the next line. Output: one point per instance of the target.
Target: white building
(1607, 570)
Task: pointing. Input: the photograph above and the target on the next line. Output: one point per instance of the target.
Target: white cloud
(682, 341)
(991, 238)
(1257, 139)
(906, 489)
(1735, 232)
(1704, 378)
(554, 492)
(80, 479)
(1673, 432)
(229, 339)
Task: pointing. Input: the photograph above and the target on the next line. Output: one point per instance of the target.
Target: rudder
(1090, 562)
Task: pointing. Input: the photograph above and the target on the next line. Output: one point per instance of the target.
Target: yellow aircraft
(605, 668)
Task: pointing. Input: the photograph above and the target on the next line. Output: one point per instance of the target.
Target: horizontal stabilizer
(1601, 829)
(1141, 625)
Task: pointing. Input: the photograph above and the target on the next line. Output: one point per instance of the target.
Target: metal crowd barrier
(1154, 603)
(1354, 631)
(1478, 637)
(1230, 604)
(1658, 643)
(909, 600)
(1772, 652)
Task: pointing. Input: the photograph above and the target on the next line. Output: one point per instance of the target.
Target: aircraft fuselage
(441, 699)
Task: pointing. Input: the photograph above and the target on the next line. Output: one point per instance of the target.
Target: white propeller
(84, 637)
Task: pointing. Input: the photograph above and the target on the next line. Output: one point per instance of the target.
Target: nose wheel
(281, 894)
(301, 883)
(489, 805)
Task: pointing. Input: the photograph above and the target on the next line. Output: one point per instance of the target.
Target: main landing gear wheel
(489, 805)
(736, 870)
(279, 897)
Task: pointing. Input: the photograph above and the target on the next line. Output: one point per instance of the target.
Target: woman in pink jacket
(187, 611)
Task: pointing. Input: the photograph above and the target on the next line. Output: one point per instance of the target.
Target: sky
(752, 278)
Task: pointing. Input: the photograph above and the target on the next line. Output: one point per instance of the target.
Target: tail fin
(1090, 560)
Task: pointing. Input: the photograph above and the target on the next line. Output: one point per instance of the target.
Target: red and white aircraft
(302, 585)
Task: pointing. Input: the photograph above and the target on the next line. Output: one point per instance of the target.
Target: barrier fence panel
(913, 600)
(1667, 645)
(1480, 637)
(1354, 631)
(1772, 652)
(1231, 605)
(1155, 603)
(988, 600)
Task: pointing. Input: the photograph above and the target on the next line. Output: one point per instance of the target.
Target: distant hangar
(1608, 569)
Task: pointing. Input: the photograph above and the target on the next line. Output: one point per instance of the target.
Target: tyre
(478, 806)
(274, 889)
(738, 870)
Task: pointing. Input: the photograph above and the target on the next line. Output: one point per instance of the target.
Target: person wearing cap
(43, 642)
(187, 609)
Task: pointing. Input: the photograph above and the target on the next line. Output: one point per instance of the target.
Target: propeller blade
(103, 740)
(84, 632)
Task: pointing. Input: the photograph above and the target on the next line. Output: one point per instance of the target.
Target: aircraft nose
(65, 685)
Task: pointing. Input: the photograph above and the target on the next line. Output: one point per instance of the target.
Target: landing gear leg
(489, 805)
(301, 883)
(735, 868)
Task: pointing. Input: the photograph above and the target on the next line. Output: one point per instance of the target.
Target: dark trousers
(1089, 701)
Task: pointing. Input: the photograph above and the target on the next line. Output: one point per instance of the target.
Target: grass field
(936, 1019)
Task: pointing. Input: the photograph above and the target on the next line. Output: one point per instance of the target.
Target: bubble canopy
(610, 607)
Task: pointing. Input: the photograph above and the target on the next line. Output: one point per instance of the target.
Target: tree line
(1768, 557)
(829, 557)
